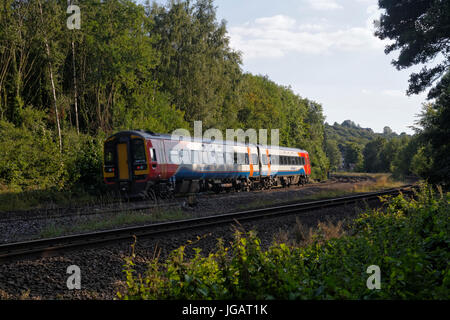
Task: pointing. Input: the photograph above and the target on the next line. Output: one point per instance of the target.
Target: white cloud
(324, 4)
(279, 35)
(276, 22)
(394, 93)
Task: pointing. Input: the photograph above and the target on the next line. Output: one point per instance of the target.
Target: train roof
(151, 135)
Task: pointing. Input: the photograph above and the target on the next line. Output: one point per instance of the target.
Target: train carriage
(149, 164)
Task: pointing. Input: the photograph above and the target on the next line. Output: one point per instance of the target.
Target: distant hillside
(350, 147)
(348, 132)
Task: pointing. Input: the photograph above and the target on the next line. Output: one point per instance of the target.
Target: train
(140, 163)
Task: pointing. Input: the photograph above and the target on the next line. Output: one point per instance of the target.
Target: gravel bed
(28, 229)
(101, 268)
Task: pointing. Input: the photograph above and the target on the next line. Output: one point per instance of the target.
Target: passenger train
(147, 164)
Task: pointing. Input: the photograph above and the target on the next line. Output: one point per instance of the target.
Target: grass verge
(115, 220)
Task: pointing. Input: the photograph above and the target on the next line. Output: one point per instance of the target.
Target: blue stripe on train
(185, 173)
(284, 173)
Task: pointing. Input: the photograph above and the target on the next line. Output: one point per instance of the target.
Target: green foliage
(83, 163)
(378, 149)
(30, 157)
(401, 164)
(197, 66)
(435, 135)
(333, 153)
(409, 242)
(372, 156)
(353, 157)
(420, 31)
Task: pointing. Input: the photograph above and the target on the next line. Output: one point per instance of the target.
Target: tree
(421, 31)
(387, 131)
(372, 155)
(353, 157)
(197, 67)
(435, 122)
(334, 154)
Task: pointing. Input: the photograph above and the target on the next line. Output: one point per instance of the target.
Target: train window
(255, 158)
(195, 157)
(264, 160)
(229, 158)
(138, 150)
(153, 154)
(242, 158)
(174, 157)
(184, 156)
(109, 156)
(220, 157)
(274, 159)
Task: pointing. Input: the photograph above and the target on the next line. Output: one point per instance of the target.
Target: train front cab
(126, 163)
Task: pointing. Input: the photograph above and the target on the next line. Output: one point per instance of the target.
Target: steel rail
(138, 205)
(46, 247)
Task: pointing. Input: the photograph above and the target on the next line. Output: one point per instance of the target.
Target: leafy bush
(409, 242)
(30, 158)
(83, 162)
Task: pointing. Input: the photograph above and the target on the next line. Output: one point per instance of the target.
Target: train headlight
(140, 167)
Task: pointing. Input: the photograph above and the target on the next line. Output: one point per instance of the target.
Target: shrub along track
(46, 247)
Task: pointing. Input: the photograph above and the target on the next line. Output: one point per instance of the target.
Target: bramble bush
(408, 240)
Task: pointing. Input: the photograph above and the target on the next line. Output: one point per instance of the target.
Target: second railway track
(120, 206)
(51, 246)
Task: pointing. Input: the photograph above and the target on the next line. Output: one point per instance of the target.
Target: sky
(325, 51)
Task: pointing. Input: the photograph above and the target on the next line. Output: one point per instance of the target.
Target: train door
(122, 159)
(259, 153)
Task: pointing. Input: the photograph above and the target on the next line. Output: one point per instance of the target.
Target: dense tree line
(351, 147)
(129, 66)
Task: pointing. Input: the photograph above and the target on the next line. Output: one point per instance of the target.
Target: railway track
(51, 246)
(120, 206)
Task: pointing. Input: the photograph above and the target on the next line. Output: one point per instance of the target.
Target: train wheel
(216, 188)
